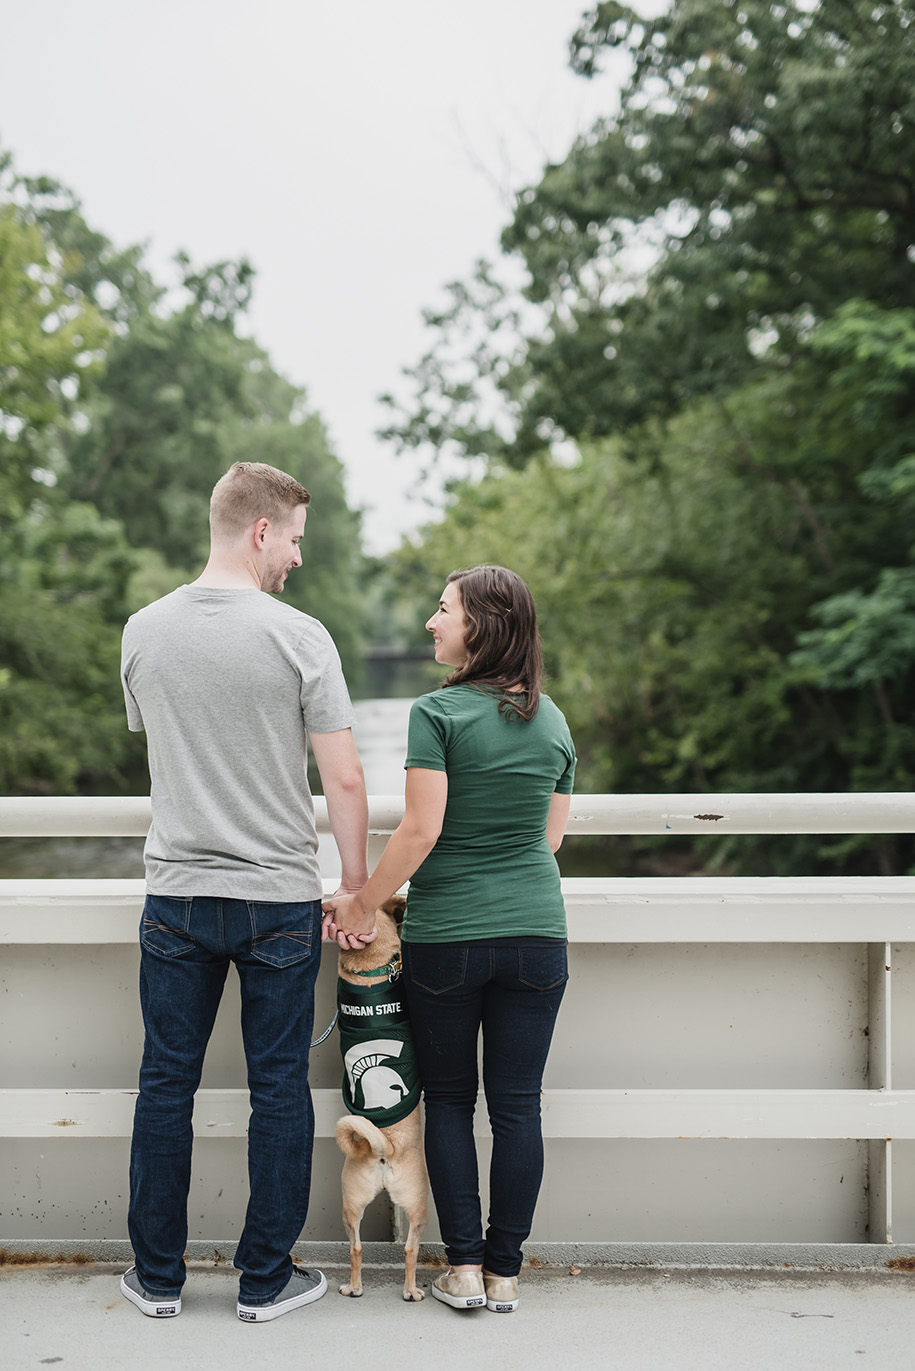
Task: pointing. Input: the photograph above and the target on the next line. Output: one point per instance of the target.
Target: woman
(490, 765)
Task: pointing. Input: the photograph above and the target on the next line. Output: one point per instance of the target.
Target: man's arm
(347, 806)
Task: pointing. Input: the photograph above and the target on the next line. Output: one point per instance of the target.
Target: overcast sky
(360, 154)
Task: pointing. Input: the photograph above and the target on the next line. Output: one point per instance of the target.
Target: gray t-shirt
(225, 684)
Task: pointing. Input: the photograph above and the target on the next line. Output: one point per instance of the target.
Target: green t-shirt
(491, 873)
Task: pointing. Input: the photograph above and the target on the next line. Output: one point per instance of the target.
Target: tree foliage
(157, 442)
(677, 591)
(121, 404)
(765, 151)
(62, 568)
(725, 274)
(759, 170)
(49, 341)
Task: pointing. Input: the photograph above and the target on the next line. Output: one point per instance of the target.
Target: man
(231, 686)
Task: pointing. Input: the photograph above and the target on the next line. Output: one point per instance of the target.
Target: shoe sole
(502, 1306)
(153, 1309)
(459, 1301)
(253, 1313)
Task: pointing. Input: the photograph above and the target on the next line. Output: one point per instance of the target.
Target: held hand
(346, 922)
(331, 933)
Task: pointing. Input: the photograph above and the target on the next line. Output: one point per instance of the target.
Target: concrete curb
(697, 1256)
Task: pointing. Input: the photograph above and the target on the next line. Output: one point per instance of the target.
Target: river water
(381, 736)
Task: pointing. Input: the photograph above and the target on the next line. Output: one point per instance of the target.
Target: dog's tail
(359, 1137)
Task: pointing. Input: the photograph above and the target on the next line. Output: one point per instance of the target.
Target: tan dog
(389, 1157)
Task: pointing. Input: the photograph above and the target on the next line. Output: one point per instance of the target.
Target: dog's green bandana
(380, 1076)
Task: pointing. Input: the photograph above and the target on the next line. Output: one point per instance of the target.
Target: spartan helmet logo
(382, 1086)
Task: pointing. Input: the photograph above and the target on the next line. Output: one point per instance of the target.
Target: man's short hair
(250, 491)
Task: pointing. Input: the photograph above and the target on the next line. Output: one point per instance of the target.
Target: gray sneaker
(302, 1288)
(155, 1306)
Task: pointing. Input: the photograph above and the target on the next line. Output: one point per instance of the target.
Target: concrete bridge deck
(635, 1319)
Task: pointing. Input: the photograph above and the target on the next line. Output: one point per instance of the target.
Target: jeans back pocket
(436, 967)
(283, 934)
(164, 926)
(543, 967)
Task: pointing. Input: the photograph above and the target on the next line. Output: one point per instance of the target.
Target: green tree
(758, 171)
(114, 280)
(725, 597)
(182, 396)
(471, 385)
(156, 442)
(119, 409)
(862, 647)
(62, 569)
(723, 271)
(49, 342)
(766, 152)
(61, 611)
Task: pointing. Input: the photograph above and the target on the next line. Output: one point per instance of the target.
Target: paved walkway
(74, 1317)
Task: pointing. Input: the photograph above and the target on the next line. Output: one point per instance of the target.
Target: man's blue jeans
(186, 947)
(512, 993)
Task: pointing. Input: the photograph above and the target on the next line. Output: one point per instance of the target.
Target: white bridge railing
(735, 1060)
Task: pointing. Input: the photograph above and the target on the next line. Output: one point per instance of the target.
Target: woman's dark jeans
(512, 993)
(186, 948)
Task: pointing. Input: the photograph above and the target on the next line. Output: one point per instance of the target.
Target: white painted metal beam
(109, 1113)
(729, 1114)
(866, 1114)
(872, 812)
(740, 909)
(733, 909)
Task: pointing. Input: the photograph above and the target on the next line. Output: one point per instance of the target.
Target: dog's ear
(395, 906)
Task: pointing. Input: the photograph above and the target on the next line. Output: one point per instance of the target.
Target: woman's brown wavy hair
(502, 641)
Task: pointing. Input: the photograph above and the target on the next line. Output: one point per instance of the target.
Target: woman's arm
(425, 795)
(557, 819)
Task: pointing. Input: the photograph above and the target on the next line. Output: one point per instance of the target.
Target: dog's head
(353, 961)
(395, 906)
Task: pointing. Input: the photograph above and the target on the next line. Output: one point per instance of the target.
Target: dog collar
(392, 970)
